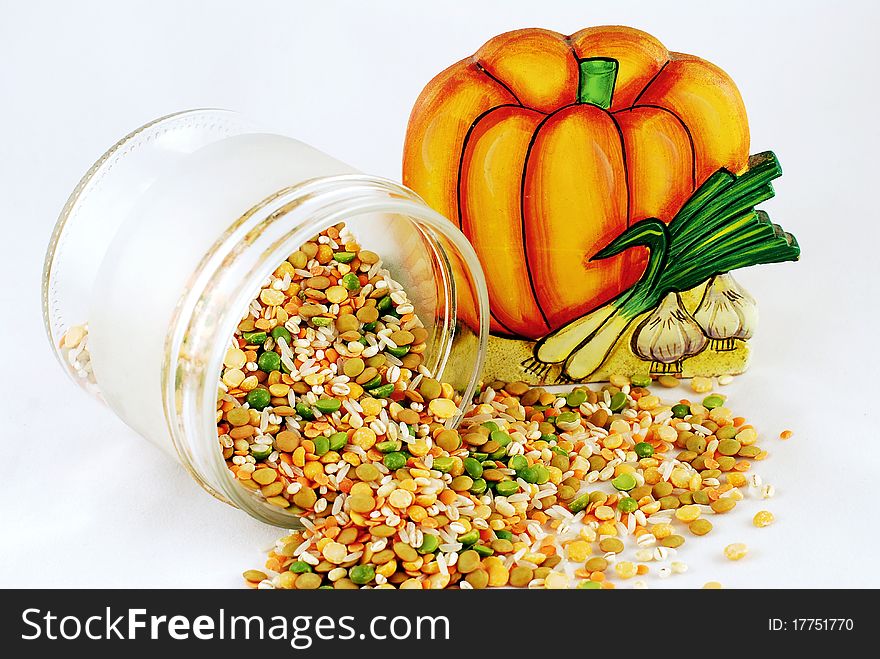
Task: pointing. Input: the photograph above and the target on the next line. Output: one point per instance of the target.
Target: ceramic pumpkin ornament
(545, 148)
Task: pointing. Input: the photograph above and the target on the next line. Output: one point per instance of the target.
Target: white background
(86, 502)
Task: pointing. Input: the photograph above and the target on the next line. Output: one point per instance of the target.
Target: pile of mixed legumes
(326, 409)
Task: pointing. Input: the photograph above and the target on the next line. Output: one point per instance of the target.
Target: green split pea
(624, 482)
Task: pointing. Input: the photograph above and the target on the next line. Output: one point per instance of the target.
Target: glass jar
(169, 236)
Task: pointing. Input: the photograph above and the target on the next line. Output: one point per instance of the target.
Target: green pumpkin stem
(596, 81)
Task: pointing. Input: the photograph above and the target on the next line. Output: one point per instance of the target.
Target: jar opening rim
(194, 351)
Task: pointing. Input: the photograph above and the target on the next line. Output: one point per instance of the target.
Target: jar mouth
(230, 275)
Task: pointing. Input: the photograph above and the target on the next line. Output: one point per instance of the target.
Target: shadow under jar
(169, 236)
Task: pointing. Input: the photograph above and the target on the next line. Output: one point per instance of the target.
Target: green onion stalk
(717, 230)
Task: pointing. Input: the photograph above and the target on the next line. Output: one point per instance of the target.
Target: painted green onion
(716, 231)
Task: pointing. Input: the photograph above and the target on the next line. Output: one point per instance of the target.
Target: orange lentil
(539, 516)
(785, 434)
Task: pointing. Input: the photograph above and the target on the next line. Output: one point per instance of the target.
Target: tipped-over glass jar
(169, 236)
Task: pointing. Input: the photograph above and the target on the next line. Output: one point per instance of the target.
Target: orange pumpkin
(545, 147)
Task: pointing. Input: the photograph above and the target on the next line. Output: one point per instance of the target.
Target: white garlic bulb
(726, 312)
(669, 334)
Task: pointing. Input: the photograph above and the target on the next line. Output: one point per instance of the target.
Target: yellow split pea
(578, 551)
(443, 408)
(763, 518)
(688, 513)
(736, 551)
(235, 358)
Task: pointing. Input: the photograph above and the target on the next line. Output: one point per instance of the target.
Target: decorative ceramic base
(504, 357)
